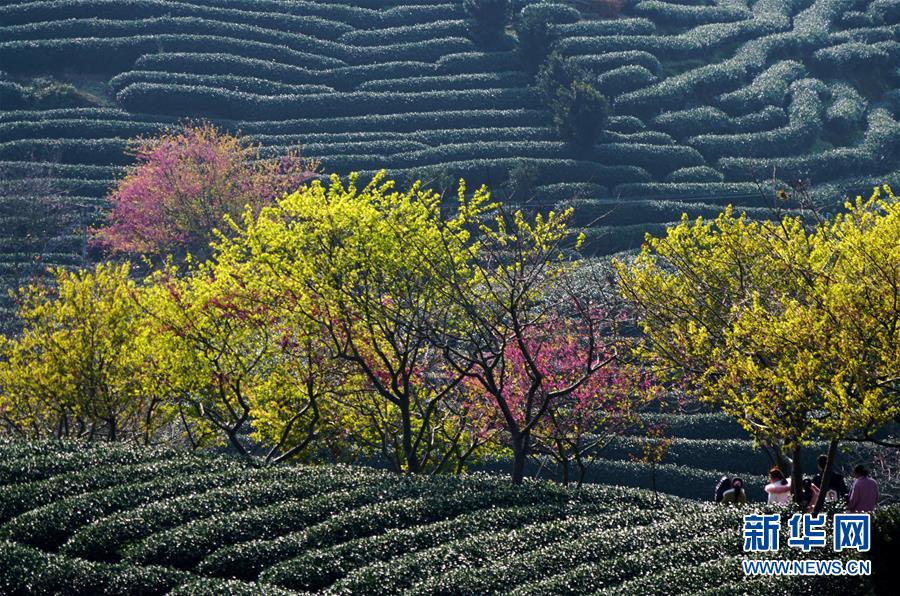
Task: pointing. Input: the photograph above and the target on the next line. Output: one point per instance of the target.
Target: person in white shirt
(779, 487)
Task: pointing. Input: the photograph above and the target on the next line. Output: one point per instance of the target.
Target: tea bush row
(401, 573)
(248, 559)
(501, 80)
(651, 137)
(601, 63)
(847, 108)
(734, 455)
(171, 25)
(410, 122)
(696, 174)
(25, 571)
(186, 545)
(352, 16)
(44, 459)
(194, 100)
(709, 120)
(614, 570)
(416, 32)
(875, 155)
(107, 537)
(656, 159)
(75, 114)
(805, 123)
(246, 84)
(72, 151)
(687, 15)
(770, 87)
(76, 128)
(49, 526)
(586, 547)
(710, 425)
(478, 171)
(19, 498)
(624, 79)
(248, 12)
(593, 28)
(434, 137)
(113, 55)
(319, 568)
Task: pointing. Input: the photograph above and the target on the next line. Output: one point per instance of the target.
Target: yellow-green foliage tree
(340, 258)
(227, 358)
(792, 330)
(78, 367)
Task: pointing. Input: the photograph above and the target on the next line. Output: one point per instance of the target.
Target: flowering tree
(78, 369)
(793, 330)
(582, 412)
(507, 303)
(340, 257)
(226, 358)
(186, 181)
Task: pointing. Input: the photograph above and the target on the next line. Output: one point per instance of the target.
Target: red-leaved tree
(186, 181)
(582, 412)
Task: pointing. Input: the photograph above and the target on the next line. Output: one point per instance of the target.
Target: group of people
(862, 496)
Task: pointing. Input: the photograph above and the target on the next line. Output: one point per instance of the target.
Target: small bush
(489, 19)
(580, 112)
(535, 38)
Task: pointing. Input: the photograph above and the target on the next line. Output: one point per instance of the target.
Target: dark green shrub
(401, 573)
(446, 497)
(489, 18)
(469, 62)
(217, 587)
(658, 547)
(19, 498)
(185, 546)
(535, 39)
(580, 112)
(50, 526)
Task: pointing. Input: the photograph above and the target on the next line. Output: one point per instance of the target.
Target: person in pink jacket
(864, 492)
(779, 487)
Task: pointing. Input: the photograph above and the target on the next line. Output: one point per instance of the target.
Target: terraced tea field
(112, 519)
(708, 98)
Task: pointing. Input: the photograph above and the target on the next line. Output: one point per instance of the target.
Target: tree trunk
(409, 454)
(826, 477)
(520, 454)
(776, 456)
(564, 464)
(797, 476)
(582, 470)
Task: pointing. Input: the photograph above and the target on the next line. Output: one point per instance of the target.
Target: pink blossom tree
(570, 393)
(184, 184)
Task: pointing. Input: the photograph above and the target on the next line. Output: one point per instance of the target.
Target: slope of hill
(112, 519)
(708, 98)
